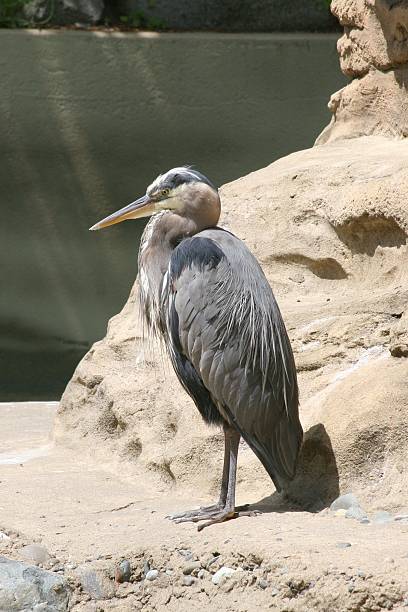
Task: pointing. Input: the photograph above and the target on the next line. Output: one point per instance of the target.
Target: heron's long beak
(143, 207)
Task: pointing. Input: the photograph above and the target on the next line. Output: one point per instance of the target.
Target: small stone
(169, 572)
(186, 553)
(3, 537)
(212, 560)
(344, 502)
(190, 567)
(34, 553)
(223, 572)
(355, 512)
(343, 545)
(364, 521)
(399, 517)
(341, 512)
(263, 583)
(123, 571)
(202, 574)
(274, 592)
(152, 574)
(188, 581)
(361, 574)
(382, 517)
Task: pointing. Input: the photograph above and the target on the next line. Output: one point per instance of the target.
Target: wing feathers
(224, 320)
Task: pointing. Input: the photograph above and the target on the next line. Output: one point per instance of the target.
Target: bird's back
(229, 346)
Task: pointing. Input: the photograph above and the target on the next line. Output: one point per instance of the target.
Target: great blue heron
(204, 293)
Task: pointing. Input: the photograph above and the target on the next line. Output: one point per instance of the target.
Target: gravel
(188, 581)
(223, 572)
(190, 567)
(123, 571)
(152, 574)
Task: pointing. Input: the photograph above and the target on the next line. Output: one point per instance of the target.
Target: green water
(87, 121)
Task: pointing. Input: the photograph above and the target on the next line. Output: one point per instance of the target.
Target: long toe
(220, 517)
(226, 515)
(188, 515)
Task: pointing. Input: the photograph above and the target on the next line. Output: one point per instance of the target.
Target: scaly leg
(205, 511)
(225, 509)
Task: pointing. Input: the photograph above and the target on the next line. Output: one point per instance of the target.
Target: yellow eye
(165, 192)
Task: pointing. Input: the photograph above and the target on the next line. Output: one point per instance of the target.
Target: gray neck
(162, 234)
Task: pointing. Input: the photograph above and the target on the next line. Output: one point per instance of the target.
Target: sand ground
(88, 517)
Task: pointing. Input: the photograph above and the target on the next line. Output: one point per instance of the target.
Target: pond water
(88, 119)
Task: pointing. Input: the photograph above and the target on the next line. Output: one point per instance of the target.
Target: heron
(204, 294)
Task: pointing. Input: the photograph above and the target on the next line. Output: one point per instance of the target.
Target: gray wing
(226, 334)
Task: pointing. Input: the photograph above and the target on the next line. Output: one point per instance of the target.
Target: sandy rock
(374, 48)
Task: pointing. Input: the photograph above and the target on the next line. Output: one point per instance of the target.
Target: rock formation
(329, 226)
(374, 53)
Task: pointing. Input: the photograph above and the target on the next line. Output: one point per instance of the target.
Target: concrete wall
(86, 121)
(232, 15)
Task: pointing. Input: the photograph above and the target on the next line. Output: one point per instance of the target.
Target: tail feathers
(279, 453)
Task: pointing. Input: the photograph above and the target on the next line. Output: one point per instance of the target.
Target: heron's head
(182, 191)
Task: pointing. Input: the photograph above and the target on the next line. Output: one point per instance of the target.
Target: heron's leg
(204, 511)
(227, 510)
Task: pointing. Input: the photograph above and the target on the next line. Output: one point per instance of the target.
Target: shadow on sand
(316, 483)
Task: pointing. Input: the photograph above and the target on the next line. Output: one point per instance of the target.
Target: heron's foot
(212, 514)
(227, 515)
(189, 515)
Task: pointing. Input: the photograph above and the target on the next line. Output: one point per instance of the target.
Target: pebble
(202, 574)
(355, 512)
(123, 571)
(341, 512)
(186, 553)
(344, 502)
(34, 553)
(212, 560)
(343, 545)
(398, 517)
(152, 574)
(364, 521)
(190, 567)
(382, 517)
(223, 572)
(3, 536)
(263, 583)
(188, 581)
(275, 592)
